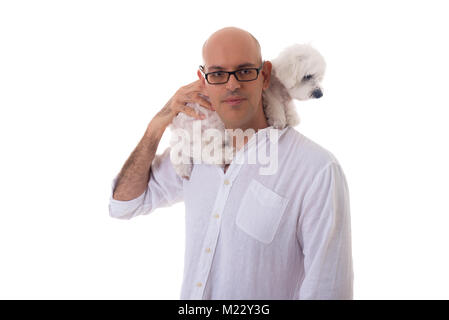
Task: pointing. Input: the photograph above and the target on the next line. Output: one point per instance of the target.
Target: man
(286, 235)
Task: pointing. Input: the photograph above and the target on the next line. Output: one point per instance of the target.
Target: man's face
(230, 55)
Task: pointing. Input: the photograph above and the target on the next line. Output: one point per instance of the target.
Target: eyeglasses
(221, 77)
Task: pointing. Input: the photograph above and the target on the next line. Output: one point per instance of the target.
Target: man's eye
(245, 71)
(217, 74)
(307, 77)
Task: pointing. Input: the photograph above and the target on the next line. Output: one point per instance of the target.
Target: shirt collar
(260, 138)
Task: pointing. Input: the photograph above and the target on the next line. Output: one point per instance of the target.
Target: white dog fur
(296, 74)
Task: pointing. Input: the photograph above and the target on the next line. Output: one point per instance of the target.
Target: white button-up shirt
(285, 235)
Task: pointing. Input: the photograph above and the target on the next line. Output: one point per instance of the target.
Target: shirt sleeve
(324, 232)
(165, 188)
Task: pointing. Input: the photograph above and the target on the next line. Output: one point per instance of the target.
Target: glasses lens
(222, 76)
(217, 77)
(247, 74)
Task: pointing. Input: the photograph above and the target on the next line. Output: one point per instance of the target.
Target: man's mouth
(234, 102)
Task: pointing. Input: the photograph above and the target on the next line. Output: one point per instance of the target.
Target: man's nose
(232, 83)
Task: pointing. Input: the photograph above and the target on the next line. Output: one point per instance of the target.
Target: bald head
(227, 42)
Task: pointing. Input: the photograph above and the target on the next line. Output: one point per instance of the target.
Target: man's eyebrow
(243, 65)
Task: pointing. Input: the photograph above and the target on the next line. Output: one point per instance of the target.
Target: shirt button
(226, 182)
(216, 216)
(199, 284)
(208, 250)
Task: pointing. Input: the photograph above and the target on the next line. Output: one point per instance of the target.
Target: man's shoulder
(306, 151)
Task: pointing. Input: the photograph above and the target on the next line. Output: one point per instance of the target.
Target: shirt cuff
(123, 209)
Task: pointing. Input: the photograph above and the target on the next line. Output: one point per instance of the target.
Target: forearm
(135, 174)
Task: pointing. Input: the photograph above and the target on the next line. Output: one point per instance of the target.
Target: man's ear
(200, 76)
(266, 73)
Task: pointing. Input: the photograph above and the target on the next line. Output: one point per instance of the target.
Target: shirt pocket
(260, 212)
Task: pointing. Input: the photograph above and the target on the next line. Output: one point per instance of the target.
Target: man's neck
(260, 122)
(238, 142)
(238, 145)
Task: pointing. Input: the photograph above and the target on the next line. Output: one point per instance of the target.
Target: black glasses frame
(231, 72)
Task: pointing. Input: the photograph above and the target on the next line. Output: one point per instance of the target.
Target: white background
(80, 80)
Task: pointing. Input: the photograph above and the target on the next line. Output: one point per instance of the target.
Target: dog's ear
(288, 67)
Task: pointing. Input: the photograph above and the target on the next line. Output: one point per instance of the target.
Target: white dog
(296, 74)
(197, 138)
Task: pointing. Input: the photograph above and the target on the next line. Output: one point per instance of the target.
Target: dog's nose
(317, 93)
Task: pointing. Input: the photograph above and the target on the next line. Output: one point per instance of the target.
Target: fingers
(191, 112)
(201, 96)
(194, 93)
(198, 86)
(204, 103)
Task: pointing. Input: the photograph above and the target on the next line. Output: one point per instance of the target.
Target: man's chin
(233, 117)
(234, 124)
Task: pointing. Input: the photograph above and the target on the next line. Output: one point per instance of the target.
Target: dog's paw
(278, 124)
(293, 120)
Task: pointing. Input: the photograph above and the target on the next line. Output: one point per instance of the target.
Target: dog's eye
(307, 77)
